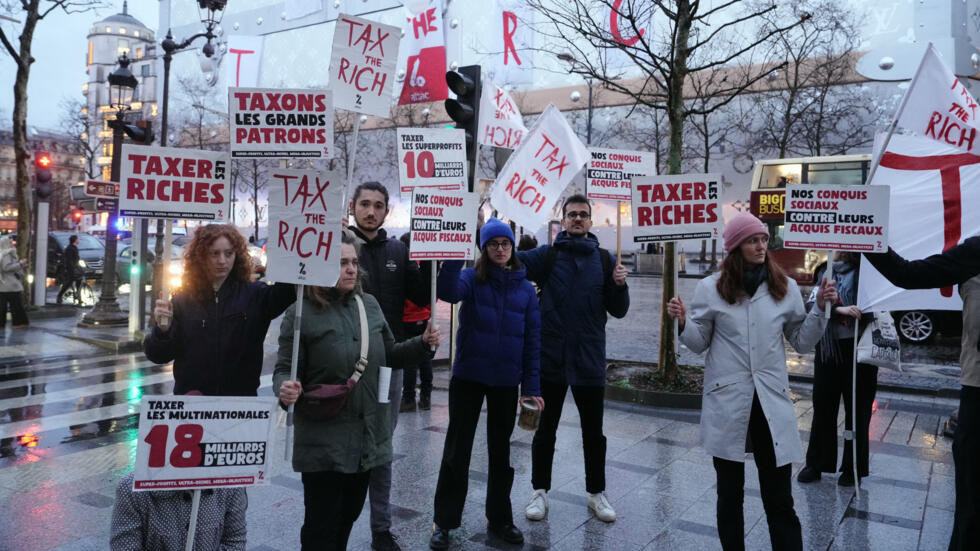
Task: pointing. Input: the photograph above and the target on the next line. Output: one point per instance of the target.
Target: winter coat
(392, 277)
(359, 437)
(746, 356)
(574, 302)
(70, 269)
(9, 267)
(959, 265)
(217, 347)
(498, 342)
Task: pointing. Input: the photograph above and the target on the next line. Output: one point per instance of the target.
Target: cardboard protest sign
(836, 217)
(167, 182)
(188, 442)
(425, 59)
(305, 211)
(443, 224)
(362, 65)
(677, 206)
(538, 172)
(611, 170)
(431, 158)
(269, 122)
(501, 122)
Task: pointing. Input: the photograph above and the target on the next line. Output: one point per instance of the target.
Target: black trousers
(333, 501)
(17, 313)
(831, 383)
(72, 283)
(589, 401)
(785, 532)
(966, 458)
(422, 370)
(465, 403)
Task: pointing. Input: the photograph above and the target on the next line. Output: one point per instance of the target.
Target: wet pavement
(68, 412)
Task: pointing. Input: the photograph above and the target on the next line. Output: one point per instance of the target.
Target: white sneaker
(601, 507)
(537, 508)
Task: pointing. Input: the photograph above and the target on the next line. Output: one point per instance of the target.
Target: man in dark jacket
(579, 285)
(959, 265)
(71, 271)
(391, 278)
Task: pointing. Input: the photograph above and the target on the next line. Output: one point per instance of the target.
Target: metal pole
(41, 255)
(588, 126)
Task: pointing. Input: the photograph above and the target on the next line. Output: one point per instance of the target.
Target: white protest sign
(512, 42)
(431, 158)
(611, 170)
(535, 176)
(362, 65)
(501, 122)
(305, 211)
(188, 442)
(443, 224)
(245, 60)
(269, 122)
(167, 182)
(677, 206)
(836, 217)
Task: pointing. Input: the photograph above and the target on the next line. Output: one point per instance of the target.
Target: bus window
(851, 173)
(777, 176)
(775, 235)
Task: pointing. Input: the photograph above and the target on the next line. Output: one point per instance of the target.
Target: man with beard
(391, 278)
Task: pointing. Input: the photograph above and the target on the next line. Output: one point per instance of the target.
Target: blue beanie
(495, 228)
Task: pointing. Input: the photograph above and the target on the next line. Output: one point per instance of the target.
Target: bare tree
(199, 126)
(76, 122)
(688, 38)
(32, 13)
(251, 176)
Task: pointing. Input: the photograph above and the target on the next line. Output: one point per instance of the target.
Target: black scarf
(754, 277)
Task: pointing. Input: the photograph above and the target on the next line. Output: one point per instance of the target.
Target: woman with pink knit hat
(740, 315)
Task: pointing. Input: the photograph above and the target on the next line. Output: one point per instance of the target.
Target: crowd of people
(531, 328)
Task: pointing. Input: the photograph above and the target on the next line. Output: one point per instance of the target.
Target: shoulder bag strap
(362, 362)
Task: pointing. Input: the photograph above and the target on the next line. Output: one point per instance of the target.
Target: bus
(768, 195)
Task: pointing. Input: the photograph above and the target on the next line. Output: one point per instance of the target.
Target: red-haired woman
(218, 321)
(740, 316)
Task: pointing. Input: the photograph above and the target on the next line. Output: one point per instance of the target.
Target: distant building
(107, 40)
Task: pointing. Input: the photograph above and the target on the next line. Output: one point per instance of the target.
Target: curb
(942, 392)
(117, 345)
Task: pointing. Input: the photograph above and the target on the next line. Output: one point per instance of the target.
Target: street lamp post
(122, 85)
(211, 17)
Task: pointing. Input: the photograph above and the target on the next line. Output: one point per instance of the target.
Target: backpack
(552, 255)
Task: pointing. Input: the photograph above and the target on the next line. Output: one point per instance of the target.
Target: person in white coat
(740, 316)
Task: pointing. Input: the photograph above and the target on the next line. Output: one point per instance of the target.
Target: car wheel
(916, 326)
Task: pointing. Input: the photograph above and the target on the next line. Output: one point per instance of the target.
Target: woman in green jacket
(335, 456)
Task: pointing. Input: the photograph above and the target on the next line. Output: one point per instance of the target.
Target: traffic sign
(106, 204)
(99, 188)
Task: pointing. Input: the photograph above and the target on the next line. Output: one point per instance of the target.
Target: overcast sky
(59, 50)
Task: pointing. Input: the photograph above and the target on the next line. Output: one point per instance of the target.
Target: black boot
(425, 401)
(439, 539)
(507, 532)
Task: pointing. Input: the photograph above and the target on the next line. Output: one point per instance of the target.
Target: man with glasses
(578, 286)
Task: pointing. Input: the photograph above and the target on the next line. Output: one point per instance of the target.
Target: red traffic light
(43, 160)
(77, 215)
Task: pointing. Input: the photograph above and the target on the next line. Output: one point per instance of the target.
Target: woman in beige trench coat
(740, 316)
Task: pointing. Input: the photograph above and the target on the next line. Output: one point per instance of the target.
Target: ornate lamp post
(122, 85)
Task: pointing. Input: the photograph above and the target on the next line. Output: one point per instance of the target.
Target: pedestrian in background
(740, 316)
(579, 285)
(71, 272)
(498, 350)
(214, 328)
(11, 285)
(959, 265)
(414, 319)
(336, 455)
(832, 381)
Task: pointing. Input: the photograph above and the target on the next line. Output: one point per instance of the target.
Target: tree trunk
(22, 152)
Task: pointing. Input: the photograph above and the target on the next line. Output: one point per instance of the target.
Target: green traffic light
(134, 269)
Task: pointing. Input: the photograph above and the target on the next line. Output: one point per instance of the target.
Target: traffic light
(42, 175)
(465, 109)
(76, 215)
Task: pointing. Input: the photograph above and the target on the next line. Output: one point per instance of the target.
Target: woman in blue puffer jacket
(498, 349)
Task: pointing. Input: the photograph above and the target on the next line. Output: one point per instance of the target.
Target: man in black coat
(71, 271)
(391, 278)
(959, 265)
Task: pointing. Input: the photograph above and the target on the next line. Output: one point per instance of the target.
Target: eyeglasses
(504, 245)
(584, 215)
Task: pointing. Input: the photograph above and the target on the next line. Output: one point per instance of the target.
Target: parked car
(920, 326)
(91, 253)
(124, 264)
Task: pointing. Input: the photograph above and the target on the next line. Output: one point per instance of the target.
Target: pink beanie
(742, 226)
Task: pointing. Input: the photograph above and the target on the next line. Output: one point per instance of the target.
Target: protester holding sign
(214, 328)
(499, 348)
(390, 278)
(337, 451)
(739, 315)
(158, 520)
(580, 282)
(959, 265)
(832, 380)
